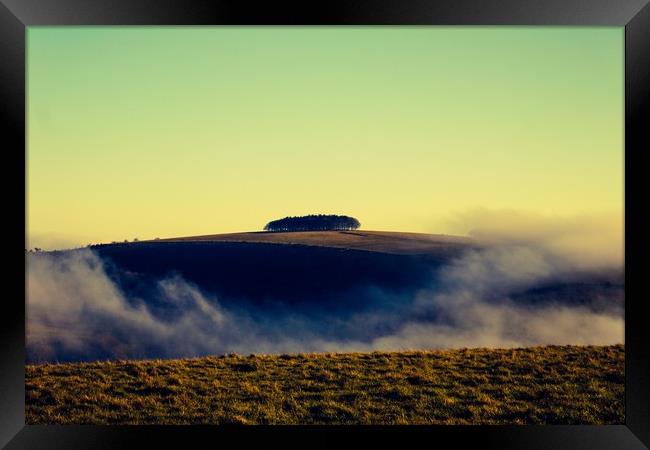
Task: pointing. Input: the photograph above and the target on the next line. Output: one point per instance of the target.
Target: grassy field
(540, 385)
(377, 241)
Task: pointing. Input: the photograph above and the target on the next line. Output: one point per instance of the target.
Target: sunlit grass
(539, 385)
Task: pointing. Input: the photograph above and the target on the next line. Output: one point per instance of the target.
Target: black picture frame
(634, 15)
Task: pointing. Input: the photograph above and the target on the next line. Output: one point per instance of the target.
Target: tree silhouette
(313, 222)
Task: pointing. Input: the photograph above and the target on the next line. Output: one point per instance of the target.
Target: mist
(583, 241)
(75, 311)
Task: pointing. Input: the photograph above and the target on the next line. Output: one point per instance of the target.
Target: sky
(145, 132)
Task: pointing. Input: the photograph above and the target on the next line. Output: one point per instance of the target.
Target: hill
(324, 269)
(539, 385)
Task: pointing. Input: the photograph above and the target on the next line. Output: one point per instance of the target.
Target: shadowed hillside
(271, 272)
(322, 269)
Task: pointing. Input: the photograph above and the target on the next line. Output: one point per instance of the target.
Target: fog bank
(76, 312)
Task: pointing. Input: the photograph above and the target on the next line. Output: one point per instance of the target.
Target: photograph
(325, 225)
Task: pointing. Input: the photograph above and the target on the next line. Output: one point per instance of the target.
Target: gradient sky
(173, 131)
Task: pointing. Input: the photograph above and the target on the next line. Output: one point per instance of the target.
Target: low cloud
(584, 241)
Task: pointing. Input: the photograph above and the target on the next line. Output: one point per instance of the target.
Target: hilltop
(375, 241)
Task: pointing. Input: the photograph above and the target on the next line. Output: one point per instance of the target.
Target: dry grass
(378, 241)
(541, 385)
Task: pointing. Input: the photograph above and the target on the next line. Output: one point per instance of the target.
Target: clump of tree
(313, 222)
